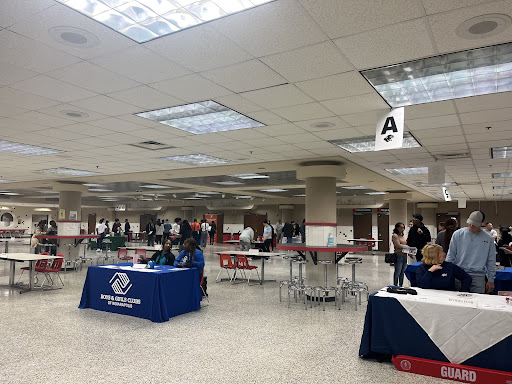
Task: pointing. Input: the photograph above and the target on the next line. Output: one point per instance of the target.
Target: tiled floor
(245, 335)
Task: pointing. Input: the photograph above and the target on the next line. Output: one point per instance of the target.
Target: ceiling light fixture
(200, 118)
(72, 36)
(354, 187)
(145, 20)
(301, 195)
(408, 171)
(95, 185)
(375, 193)
(501, 152)
(210, 193)
(501, 175)
(249, 176)
(68, 172)
(244, 197)
(99, 190)
(449, 76)
(25, 149)
(75, 114)
(197, 159)
(155, 186)
(426, 185)
(227, 182)
(367, 143)
(502, 187)
(274, 190)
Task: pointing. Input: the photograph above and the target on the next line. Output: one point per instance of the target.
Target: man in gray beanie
(473, 249)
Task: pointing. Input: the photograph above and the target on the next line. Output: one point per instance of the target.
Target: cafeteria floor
(245, 335)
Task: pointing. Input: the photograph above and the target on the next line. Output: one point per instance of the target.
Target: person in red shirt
(196, 230)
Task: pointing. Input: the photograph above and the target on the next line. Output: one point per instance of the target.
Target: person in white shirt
(205, 228)
(492, 232)
(100, 230)
(279, 231)
(246, 238)
(175, 230)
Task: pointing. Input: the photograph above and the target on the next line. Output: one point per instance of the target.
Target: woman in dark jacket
(185, 232)
(165, 255)
(213, 231)
(505, 239)
(436, 273)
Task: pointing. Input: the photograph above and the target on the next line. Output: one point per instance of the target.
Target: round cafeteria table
(341, 249)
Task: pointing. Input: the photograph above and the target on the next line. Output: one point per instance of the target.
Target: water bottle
(330, 240)
(151, 264)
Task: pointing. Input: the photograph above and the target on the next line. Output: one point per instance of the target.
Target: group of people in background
(462, 259)
(48, 245)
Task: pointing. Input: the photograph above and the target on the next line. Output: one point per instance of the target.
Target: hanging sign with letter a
(390, 130)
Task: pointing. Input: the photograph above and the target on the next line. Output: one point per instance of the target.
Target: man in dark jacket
(419, 235)
(288, 231)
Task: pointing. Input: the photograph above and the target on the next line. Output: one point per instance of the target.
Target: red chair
(56, 267)
(39, 267)
(141, 252)
(122, 254)
(226, 264)
(242, 263)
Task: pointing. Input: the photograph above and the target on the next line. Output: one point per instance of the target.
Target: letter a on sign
(390, 130)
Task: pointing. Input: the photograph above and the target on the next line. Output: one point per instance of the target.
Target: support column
(397, 212)
(286, 213)
(428, 211)
(68, 223)
(321, 214)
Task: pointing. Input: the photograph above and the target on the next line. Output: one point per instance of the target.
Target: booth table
(31, 258)
(502, 282)
(460, 328)
(155, 294)
(262, 255)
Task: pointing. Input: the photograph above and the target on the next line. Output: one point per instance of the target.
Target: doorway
(442, 217)
(255, 220)
(362, 223)
(91, 223)
(383, 228)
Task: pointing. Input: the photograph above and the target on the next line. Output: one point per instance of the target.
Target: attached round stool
(353, 287)
(298, 287)
(324, 289)
(286, 282)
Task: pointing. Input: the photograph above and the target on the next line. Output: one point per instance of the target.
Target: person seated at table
(165, 255)
(436, 273)
(191, 256)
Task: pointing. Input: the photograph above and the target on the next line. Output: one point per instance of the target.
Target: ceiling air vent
(450, 156)
(152, 145)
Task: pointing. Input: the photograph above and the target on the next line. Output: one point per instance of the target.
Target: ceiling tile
(23, 99)
(435, 6)
(433, 122)
(14, 11)
(243, 134)
(434, 140)
(333, 134)
(63, 134)
(93, 78)
(355, 104)
(42, 119)
(246, 76)
(86, 129)
(238, 103)
(438, 132)
(37, 26)
(106, 105)
(486, 117)
(280, 130)
(439, 108)
(57, 110)
(364, 118)
(303, 112)
(20, 51)
(443, 26)
(146, 97)
(313, 61)
(274, 27)
(280, 96)
(53, 89)
(267, 117)
(199, 49)
(116, 124)
(346, 17)
(191, 88)
(10, 74)
(141, 64)
(336, 86)
(7, 110)
(386, 45)
(484, 102)
(326, 123)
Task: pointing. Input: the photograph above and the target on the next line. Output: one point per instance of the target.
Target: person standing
(185, 232)
(100, 230)
(34, 242)
(473, 250)
(52, 231)
(167, 230)
(127, 227)
(107, 230)
(246, 238)
(213, 231)
(196, 231)
(399, 243)
(175, 230)
(288, 231)
(303, 232)
(279, 231)
(150, 231)
(159, 231)
(205, 228)
(443, 238)
(419, 235)
(491, 232)
(267, 236)
(116, 227)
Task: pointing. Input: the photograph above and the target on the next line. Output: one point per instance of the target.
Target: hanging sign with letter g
(390, 130)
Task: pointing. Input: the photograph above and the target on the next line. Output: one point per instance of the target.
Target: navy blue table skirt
(157, 296)
(389, 330)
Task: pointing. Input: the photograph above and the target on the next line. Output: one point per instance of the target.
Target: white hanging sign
(446, 194)
(390, 130)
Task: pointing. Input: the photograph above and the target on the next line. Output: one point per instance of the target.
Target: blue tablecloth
(157, 295)
(502, 282)
(389, 330)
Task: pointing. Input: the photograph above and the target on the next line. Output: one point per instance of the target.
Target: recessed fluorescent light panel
(191, 198)
(501, 175)
(501, 153)
(145, 20)
(95, 185)
(367, 143)
(199, 118)
(426, 185)
(273, 190)
(99, 190)
(474, 72)
(227, 182)
(354, 187)
(25, 149)
(197, 159)
(210, 193)
(375, 193)
(408, 171)
(301, 195)
(155, 186)
(68, 172)
(248, 176)
(502, 187)
(7, 193)
(244, 197)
